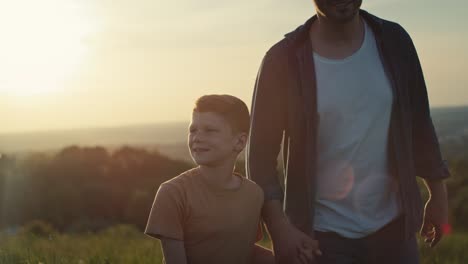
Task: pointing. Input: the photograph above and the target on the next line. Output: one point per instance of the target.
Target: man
(344, 95)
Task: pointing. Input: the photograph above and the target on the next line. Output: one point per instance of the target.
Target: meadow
(87, 203)
(124, 244)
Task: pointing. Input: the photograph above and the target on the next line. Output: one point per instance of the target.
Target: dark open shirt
(284, 112)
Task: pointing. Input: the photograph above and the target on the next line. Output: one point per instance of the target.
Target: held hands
(293, 246)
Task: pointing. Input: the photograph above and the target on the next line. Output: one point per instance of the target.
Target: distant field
(138, 135)
(450, 123)
(125, 245)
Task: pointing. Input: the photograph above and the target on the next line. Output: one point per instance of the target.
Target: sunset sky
(68, 64)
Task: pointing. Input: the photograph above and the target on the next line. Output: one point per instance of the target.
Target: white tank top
(356, 195)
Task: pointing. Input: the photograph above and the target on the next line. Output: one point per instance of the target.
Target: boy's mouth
(200, 150)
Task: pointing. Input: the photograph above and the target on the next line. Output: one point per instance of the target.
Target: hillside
(451, 124)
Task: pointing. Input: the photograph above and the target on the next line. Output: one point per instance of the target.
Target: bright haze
(68, 64)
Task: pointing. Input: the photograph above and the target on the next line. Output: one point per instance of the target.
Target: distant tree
(90, 188)
(85, 188)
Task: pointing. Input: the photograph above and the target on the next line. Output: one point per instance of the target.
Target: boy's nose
(197, 138)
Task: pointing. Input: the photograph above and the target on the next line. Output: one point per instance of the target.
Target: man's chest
(352, 86)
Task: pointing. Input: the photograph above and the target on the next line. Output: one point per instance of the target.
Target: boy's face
(212, 141)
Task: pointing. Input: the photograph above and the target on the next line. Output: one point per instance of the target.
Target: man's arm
(268, 122)
(269, 119)
(174, 251)
(427, 157)
(428, 160)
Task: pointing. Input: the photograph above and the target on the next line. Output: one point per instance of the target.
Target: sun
(41, 45)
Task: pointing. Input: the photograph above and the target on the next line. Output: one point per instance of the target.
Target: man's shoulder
(279, 50)
(280, 47)
(389, 28)
(396, 30)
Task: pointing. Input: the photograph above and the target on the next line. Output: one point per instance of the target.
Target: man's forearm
(436, 188)
(436, 222)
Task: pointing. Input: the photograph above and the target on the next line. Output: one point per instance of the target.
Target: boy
(210, 214)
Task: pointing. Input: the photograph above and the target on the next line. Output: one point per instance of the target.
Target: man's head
(219, 129)
(338, 11)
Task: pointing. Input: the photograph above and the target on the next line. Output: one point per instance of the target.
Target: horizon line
(126, 125)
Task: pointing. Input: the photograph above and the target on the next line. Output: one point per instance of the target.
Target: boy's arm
(174, 251)
(289, 243)
(262, 255)
(166, 219)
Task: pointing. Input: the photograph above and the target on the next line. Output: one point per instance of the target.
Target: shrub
(38, 228)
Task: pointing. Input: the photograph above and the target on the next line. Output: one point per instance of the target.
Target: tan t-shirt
(216, 225)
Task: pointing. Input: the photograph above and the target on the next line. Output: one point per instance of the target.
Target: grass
(121, 244)
(125, 244)
(453, 249)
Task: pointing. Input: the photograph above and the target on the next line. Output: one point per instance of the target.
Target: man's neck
(334, 32)
(336, 40)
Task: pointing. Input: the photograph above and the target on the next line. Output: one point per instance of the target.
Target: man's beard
(339, 11)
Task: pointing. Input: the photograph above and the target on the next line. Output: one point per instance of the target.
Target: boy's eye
(206, 130)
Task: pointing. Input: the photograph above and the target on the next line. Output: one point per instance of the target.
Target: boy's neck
(221, 176)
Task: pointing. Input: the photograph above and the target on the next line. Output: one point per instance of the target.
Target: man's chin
(343, 17)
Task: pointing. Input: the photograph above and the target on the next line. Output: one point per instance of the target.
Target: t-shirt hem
(161, 236)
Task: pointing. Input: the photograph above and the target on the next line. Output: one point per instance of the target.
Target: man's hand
(435, 213)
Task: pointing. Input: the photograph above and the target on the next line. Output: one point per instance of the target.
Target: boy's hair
(231, 108)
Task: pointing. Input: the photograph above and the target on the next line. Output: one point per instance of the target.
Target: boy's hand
(290, 245)
(309, 252)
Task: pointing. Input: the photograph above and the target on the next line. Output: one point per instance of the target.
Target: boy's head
(219, 129)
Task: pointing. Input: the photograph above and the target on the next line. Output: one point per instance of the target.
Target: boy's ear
(241, 142)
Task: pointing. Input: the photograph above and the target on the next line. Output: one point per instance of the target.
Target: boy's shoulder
(183, 177)
(181, 181)
(252, 184)
(254, 188)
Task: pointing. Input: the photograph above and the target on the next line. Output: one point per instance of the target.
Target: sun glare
(41, 45)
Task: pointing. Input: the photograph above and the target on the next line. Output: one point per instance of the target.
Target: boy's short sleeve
(166, 217)
(259, 235)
